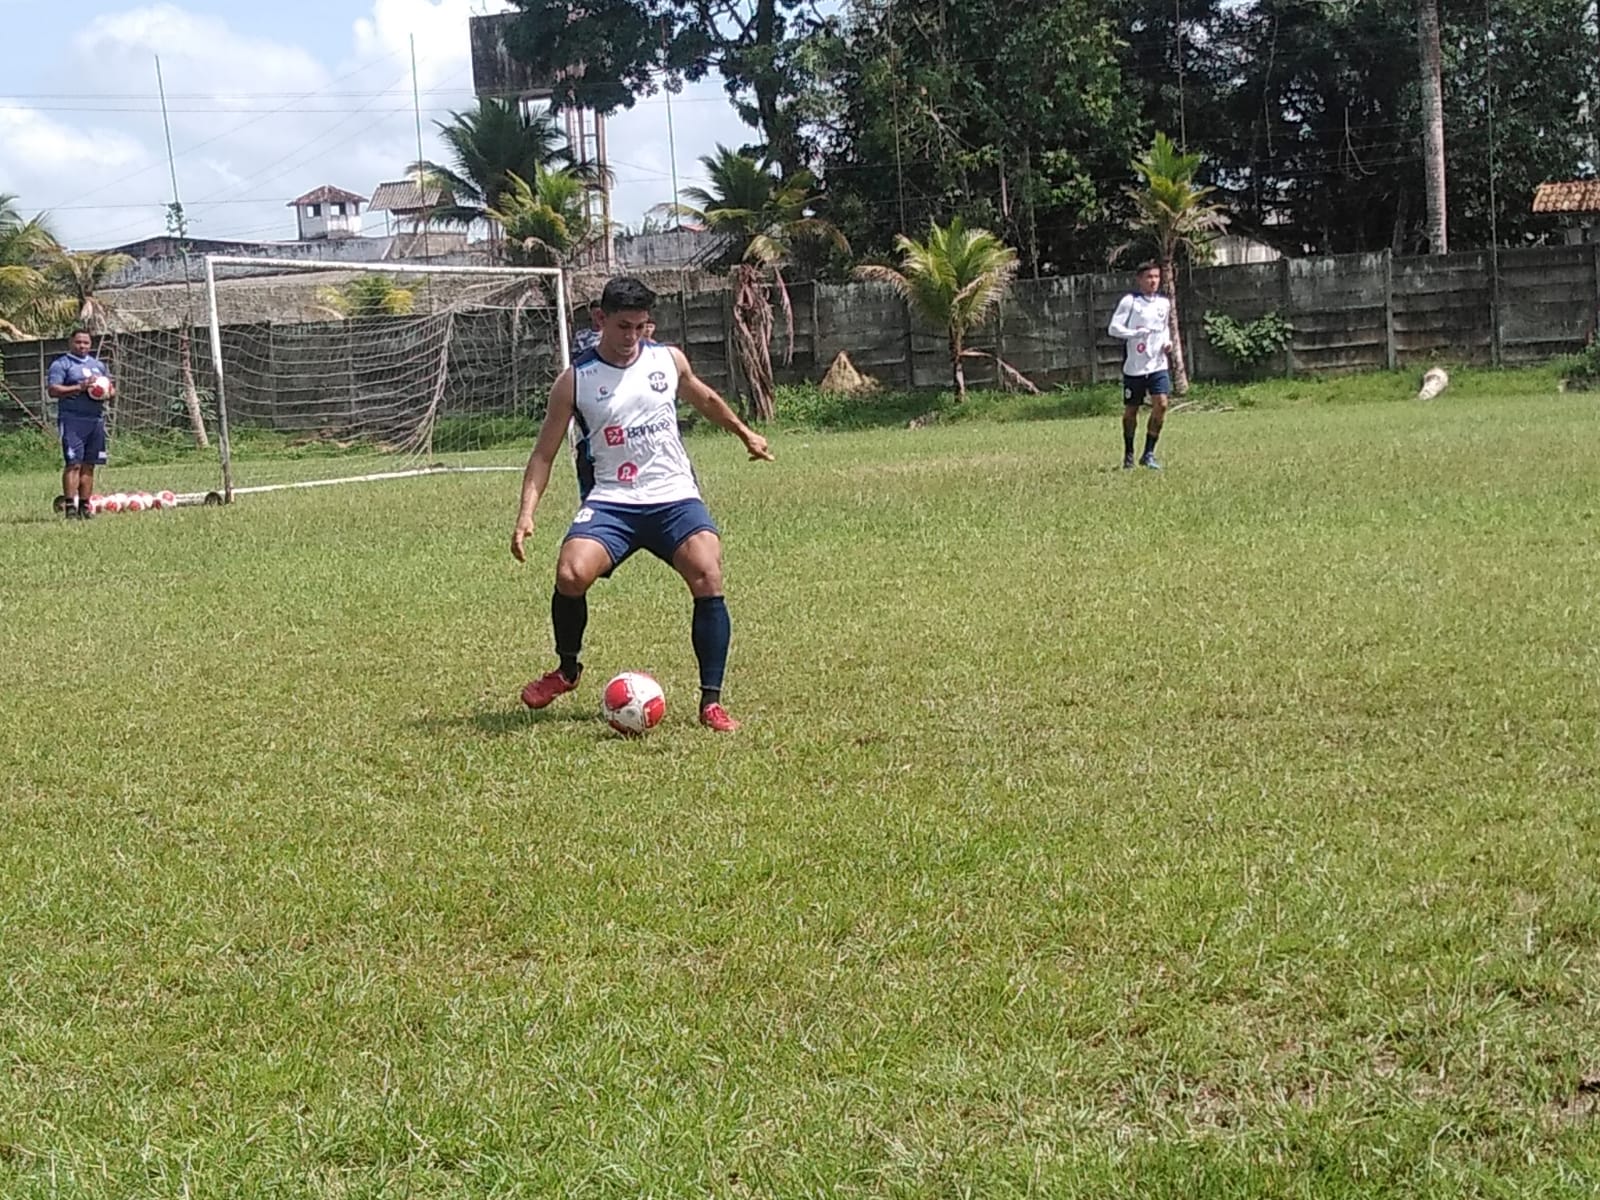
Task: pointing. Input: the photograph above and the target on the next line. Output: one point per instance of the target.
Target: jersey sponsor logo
(627, 472)
(585, 515)
(615, 435)
(604, 392)
(648, 428)
(658, 381)
(1140, 347)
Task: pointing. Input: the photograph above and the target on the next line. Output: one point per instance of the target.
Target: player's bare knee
(572, 579)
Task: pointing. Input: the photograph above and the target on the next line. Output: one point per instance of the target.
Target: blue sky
(268, 100)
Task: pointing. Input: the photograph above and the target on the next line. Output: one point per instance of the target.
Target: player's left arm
(704, 399)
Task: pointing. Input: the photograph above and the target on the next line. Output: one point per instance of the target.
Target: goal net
(284, 373)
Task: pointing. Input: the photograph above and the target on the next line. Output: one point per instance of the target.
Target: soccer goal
(306, 374)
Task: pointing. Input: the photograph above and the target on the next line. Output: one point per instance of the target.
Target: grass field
(1230, 832)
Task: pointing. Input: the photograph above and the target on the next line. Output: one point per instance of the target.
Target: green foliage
(1581, 372)
(1020, 126)
(953, 281)
(489, 148)
(30, 304)
(543, 222)
(368, 295)
(607, 55)
(764, 217)
(1248, 343)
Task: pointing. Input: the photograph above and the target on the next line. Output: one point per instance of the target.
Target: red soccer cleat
(546, 688)
(714, 716)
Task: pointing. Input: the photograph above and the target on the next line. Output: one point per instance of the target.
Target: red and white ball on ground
(166, 499)
(633, 703)
(114, 503)
(99, 388)
(134, 503)
(148, 500)
(97, 503)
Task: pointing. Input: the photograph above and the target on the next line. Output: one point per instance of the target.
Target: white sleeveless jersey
(630, 452)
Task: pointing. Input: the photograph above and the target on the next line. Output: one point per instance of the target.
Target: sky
(267, 99)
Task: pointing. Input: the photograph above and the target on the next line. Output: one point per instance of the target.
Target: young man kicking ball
(637, 489)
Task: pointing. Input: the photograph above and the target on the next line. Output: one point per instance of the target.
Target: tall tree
(961, 109)
(953, 280)
(1431, 77)
(545, 222)
(1178, 217)
(489, 145)
(80, 277)
(606, 54)
(764, 220)
(28, 300)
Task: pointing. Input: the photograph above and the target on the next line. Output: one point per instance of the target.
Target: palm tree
(79, 277)
(1432, 123)
(26, 295)
(954, 280)
(489, 146)
(762, 219)
(368, 296)
(544, 222)
(1177, 216)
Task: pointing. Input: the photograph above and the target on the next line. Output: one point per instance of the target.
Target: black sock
(1127, 441)
(569, 615)
(711, 632)
(1149, 443)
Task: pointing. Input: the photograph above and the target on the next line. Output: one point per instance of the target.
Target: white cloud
(256, 120)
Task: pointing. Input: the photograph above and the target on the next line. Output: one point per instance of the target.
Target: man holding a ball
(80, 385)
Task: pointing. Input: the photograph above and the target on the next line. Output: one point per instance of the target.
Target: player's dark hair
(1147, 265)
(77, 331)
(626, 294)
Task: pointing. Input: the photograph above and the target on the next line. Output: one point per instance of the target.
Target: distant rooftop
(327, 194)
(1571, 196)
(403, 196)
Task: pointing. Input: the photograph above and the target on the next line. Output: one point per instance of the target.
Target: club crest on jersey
(615, 435)
(627, 472)
(658, 381)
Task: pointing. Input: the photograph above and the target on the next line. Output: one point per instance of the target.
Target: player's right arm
(536, 476)
(1119, 327)
(57, 384)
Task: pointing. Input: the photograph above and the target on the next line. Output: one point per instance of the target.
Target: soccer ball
(96, 502)
(166, 499)
(633, 703)
(149, 501)
(99, 388)
(134, 503)
(115, 503)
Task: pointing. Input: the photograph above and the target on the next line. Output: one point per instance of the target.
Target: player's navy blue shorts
(1135, 388)
(658, 528)
(83, 440)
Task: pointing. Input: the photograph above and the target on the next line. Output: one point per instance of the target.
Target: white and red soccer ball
(100, 388)
(633, 703)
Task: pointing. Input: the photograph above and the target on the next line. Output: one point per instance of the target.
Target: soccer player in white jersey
(1141, 322)
(637, 490)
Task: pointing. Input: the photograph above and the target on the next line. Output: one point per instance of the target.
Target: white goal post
(325, 372)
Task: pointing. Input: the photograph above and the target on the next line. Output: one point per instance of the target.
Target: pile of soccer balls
(132, 502)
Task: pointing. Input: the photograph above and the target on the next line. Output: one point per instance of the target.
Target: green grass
(1229, 832)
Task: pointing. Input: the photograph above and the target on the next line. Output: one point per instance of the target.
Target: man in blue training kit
(81, 421)
(637, 489)
(1141, 322)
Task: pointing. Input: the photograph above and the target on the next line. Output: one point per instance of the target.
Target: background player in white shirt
(1142, 322)
(637, 487)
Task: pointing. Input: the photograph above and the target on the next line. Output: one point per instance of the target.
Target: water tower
(496, 75)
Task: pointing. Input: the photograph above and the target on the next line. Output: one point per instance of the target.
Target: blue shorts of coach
(83, 441)
(658, 528)
(1136, 388)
